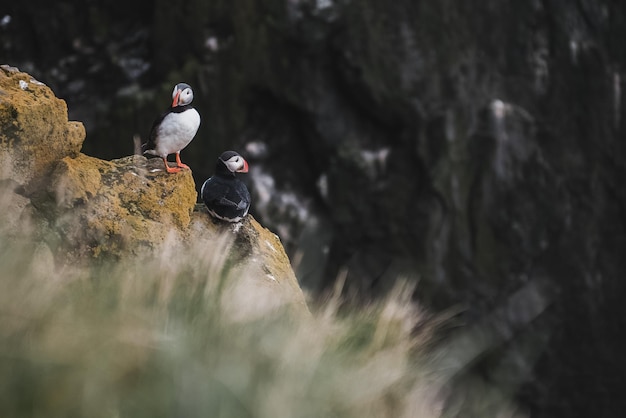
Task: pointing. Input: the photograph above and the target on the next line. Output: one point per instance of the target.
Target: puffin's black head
(230, 163)
(182, 94)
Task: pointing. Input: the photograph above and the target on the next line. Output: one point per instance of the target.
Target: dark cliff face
(476, 147)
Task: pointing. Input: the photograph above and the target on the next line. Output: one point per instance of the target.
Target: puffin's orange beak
(244, 169)
(175, 102)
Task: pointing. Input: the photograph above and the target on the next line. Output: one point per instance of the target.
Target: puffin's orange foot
(179, 163)
(172, 169)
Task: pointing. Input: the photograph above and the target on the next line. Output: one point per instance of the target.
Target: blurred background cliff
(477, 148)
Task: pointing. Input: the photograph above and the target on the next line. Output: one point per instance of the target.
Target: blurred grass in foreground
(151, 338)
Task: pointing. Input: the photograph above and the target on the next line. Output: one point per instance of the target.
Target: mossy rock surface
(86, 210)
(118, 207)
(34, 129)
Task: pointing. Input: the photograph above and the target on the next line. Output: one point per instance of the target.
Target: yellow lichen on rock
(34, 129)
(75, 180)
(87, 209)
(121, 206)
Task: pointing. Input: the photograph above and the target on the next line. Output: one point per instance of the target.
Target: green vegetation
(161, 337)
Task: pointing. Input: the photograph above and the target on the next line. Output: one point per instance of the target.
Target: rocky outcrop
(35, 130)
(263, 279)
(116, 207)
(86, 209)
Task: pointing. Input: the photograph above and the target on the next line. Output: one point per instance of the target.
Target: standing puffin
(174, 129)
(225, 196)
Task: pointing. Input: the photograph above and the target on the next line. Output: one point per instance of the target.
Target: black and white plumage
(225, 196)
(174, 129)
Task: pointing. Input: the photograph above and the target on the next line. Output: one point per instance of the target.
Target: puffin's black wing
(217, 191)
(212, 189)
(244, 196)
(151, 143)
(225, 196)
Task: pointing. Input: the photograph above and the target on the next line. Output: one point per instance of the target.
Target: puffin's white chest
(176, 131)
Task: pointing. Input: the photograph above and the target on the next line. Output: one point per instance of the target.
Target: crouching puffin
(174, 129)
(225, 196)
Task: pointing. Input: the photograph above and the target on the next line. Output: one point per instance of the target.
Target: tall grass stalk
(160, 336)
